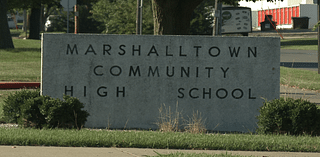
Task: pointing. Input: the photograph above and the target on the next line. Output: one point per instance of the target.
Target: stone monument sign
(124, 79)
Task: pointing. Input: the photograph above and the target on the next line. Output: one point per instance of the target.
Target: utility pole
(76, 20)
(139, 17)
(68, 17)
(215, 25)
(318, 37)
(217, 18)
(220, 18)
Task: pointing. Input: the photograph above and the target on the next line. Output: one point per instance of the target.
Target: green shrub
(30, 113)
(289, 116)
(12, 104)
(64, 114)
(29, 109)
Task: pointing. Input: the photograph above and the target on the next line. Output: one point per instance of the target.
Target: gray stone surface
(124, 79)
(41, 151)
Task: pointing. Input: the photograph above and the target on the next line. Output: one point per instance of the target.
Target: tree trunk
(50, 9)
(35, 23)
(172, 17)
(5, 36)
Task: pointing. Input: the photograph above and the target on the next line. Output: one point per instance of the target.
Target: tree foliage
(35, 6)
(316, 26)
(173, 16)
(59, 23)
(202, 20)
(86, 2)
(27, 4)
(119, 16)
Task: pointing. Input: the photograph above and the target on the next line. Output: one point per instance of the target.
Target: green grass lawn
(300, 44)
(18, 33)
(23, 63)
(157, 140)
(300, 78)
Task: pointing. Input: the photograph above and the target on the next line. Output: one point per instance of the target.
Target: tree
(5, 36)
(202, 20)
(35, 22)
(173, 16)
(49, 9)
(35, 6)
(86, 23)
(59, 22)
(119, 17)
(86, 2)
(170, 17)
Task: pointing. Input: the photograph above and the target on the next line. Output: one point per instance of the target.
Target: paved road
(304, 59)
(298, 55)
(296, 93)
(286, 33)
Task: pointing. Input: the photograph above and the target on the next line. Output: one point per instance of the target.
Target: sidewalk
(296, 93)
(36, 151)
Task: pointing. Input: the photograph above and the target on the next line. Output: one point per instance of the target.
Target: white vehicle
(11, 23)
(49, 23)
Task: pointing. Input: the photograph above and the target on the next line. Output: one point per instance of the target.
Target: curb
(19, 85)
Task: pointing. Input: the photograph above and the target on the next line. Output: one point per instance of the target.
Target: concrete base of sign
(124, 79)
